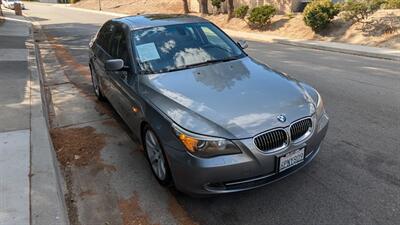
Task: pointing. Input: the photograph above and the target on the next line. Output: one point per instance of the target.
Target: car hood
(235, 99)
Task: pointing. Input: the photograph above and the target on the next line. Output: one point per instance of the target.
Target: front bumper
(239, 172)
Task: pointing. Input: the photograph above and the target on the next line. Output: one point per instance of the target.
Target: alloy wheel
(155, 154)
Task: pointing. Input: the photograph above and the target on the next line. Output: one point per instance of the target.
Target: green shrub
(354, 10)
(392, 4)
(319, 13)
(241, 11)
(290, 15)
(217, 3)
(261, 16)
(358, 10)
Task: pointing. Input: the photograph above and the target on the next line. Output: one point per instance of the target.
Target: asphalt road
(356, 177)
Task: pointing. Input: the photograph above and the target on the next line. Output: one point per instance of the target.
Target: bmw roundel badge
(281, 118)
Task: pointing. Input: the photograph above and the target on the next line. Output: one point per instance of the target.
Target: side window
(104, 38)
(100, 36)
(118, 48)
(116, 38)
(123, 50)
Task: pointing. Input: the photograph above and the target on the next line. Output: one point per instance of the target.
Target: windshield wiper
(146, 71)
(211, 61)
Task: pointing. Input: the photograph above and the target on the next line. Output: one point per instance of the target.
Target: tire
(156, 157)
(96, 86)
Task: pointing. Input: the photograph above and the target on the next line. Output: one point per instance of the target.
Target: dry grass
(134, 7)
(381, 30)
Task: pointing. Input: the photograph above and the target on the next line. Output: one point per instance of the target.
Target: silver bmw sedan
(211, 119)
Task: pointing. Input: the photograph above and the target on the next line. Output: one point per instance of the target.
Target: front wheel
(156, 157)
(96, 86)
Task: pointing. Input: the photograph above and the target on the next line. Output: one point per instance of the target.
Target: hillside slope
(381, 30)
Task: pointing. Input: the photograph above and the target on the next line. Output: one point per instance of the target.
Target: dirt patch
(179, 213)
(382, 29)
(69, 199)
(78, 146)
(131, 212)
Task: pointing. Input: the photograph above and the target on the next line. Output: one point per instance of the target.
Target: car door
(124, 82)
(101, 53)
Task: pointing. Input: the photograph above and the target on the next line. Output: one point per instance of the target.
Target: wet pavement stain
(67, 59)
(179, 213)
(87, 193)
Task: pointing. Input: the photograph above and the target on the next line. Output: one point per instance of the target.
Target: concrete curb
(47, 183)
(372, 52)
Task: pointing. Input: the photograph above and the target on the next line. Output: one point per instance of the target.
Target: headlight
(320, 107)
(203, 146)
(322, 117)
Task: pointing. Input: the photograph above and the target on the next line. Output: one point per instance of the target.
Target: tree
(203, 6)
(230, 9)
(217, 5)
(185, 6)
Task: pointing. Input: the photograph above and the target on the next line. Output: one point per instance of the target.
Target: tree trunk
(204, 7)
(230, 9)
(185, 6)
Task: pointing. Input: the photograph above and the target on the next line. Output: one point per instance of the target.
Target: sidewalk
(14, 123)
(30, 189)
(374, 52)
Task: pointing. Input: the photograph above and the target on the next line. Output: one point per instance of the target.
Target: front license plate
(291, 159)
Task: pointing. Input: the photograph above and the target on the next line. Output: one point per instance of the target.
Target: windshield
(182, 46)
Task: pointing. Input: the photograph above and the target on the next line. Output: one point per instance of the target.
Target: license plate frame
(291, 159)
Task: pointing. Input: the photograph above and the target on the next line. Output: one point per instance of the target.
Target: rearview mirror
(243, 44)
(114, 65)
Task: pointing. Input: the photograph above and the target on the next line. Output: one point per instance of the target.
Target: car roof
(156, 20)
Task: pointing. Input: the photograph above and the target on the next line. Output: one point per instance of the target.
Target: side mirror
(114, 65)
(243, 44)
